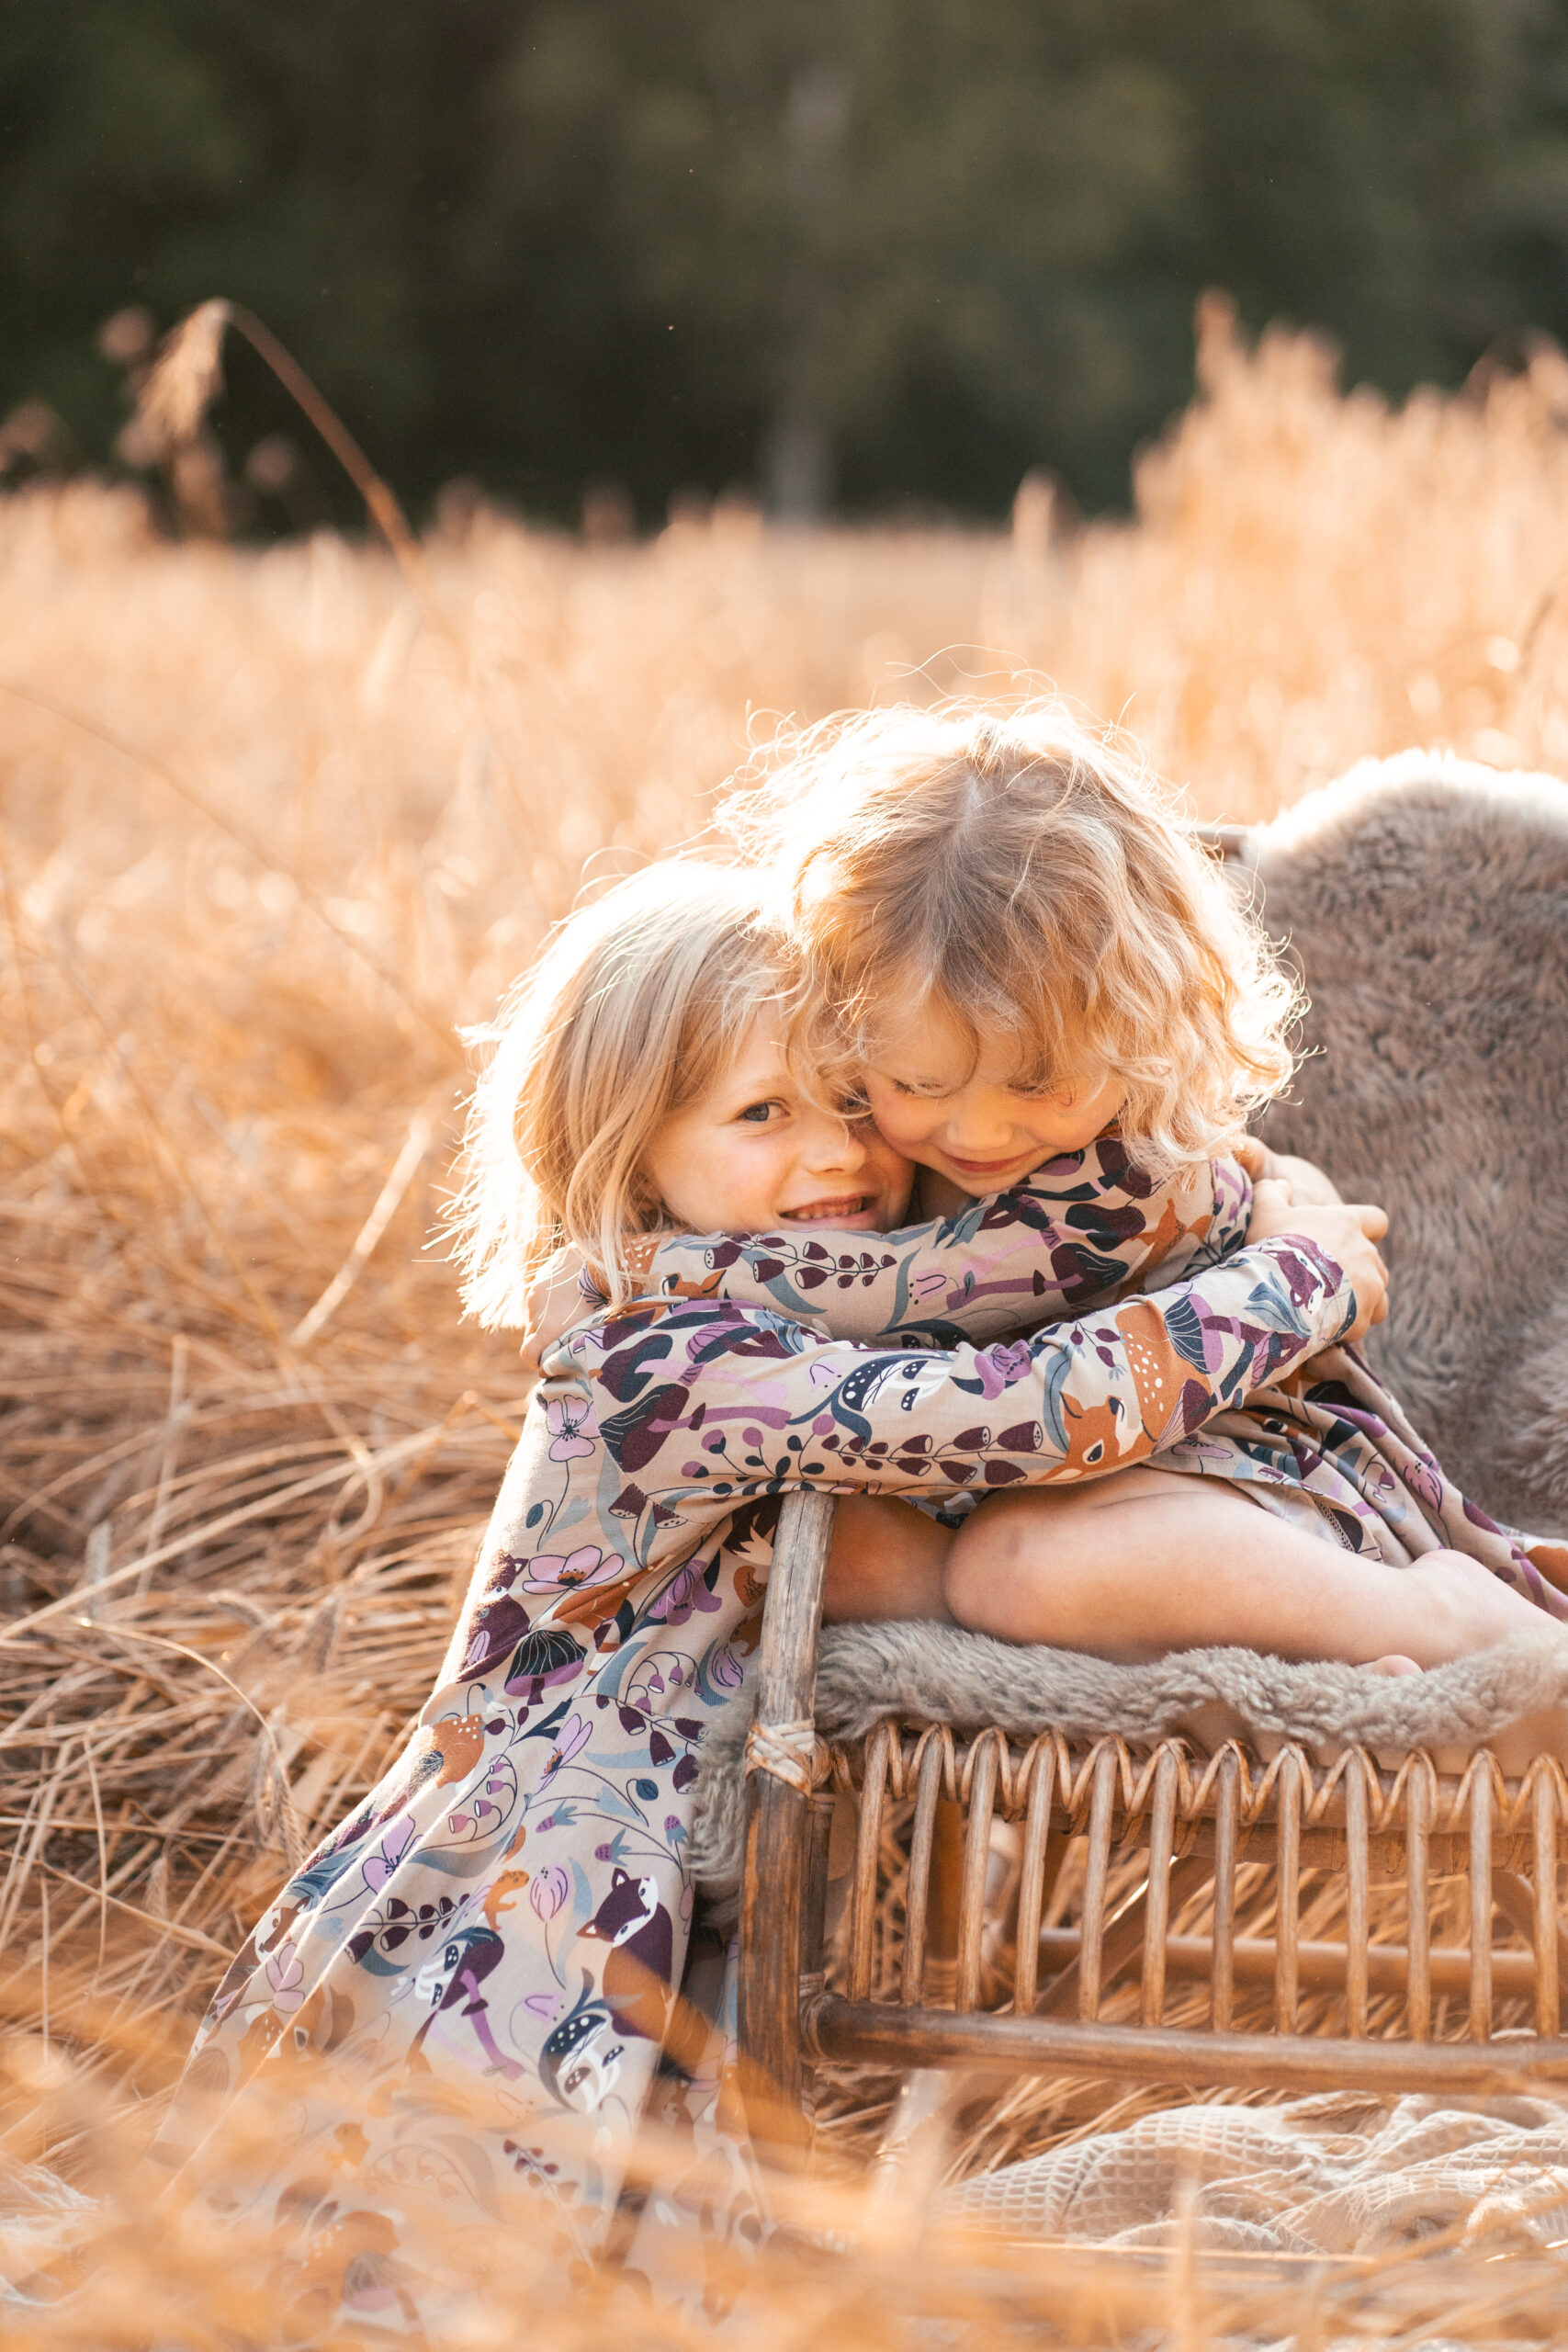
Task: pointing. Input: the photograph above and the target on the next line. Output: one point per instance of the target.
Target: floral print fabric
(501, 1925)
(1087, 1227)
(1328, 1447)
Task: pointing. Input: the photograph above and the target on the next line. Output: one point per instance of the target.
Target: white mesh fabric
(1316, 2175)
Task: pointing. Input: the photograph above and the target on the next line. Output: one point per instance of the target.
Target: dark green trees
(863, 254)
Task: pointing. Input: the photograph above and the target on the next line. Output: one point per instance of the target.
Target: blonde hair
(1031, 878)
(637, 1005)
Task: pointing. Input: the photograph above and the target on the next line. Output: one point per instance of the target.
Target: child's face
(963, 1116)
(754, 1156)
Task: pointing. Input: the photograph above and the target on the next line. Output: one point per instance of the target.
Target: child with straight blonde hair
(464, 1996)
(1017, 955)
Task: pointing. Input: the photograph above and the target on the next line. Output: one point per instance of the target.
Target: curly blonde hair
(636, 1007)
(1029, 878)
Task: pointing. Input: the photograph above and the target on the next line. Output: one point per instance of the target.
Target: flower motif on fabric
(1424, 1483)
(686, 1594)
(549, 1890)
(573, 1735)
(381, 1865)
(572, 1426)
(285, 1975)
(587, 1565)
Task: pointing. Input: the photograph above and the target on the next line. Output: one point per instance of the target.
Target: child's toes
(1394, 1663)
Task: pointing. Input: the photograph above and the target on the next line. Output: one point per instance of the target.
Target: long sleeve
(667, 1416)
(1082, 1231)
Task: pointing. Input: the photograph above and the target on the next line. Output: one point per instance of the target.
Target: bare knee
(887, 1562)
(1003, 1545)
(1041, 1563)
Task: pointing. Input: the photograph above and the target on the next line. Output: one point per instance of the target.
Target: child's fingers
(1373, 1220)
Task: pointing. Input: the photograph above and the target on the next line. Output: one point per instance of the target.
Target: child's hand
(1347, 1231)
(1306, 1184)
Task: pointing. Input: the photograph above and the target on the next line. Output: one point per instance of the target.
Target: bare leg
(888, 1561)
(1147, 1561)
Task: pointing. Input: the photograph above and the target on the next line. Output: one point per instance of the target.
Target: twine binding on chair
(791, 1752)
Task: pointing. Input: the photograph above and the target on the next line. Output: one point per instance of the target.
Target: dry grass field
(275, 825)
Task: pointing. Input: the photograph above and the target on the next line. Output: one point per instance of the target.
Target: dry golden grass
(274, 824)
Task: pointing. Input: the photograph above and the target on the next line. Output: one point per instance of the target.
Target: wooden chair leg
(772, 1892)
(778, 1830)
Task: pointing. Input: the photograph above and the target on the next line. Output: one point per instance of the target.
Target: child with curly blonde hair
(1019, 955)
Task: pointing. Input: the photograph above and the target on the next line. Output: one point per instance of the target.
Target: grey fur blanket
(1426, 902)
(1513, 1699)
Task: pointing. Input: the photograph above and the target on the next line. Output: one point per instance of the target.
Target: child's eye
(759, 1114)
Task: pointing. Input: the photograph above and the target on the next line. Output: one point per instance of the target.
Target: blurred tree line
(859, 254)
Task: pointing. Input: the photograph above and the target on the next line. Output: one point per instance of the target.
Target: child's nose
(979, 1127)
(836, 1146)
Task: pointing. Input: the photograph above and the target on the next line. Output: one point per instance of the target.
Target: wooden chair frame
(1195, 1817)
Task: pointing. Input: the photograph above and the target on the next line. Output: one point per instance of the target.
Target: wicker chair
(1162, 1831)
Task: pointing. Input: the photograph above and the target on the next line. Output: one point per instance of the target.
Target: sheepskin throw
(1513, 1699)
(1425, 901)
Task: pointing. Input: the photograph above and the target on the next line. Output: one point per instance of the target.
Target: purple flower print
(1423, 1483)
(573, 1734)
(998, 1367)
(724, 1670)
(285, 1974)
(660, 1672)
(687, 1593)
(572, 1427)
(586, 1566)
(549, 1890)
(394, 1847)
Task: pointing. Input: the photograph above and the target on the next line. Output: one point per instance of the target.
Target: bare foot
(1394, 1664)
(1470, 1608)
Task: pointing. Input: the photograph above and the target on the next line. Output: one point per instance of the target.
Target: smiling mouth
(986, 1166)
(838, 1212)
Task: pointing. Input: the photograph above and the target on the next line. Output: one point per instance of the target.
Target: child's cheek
(904, 1125)
(902, 1144)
